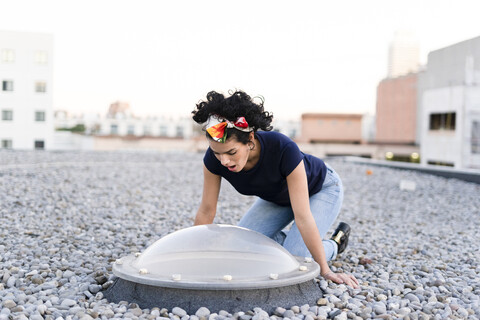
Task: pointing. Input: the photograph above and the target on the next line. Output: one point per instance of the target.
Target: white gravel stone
(379, 308)
(179, 312)
(412, 251)
(9, 304)
(68, 303)
(202, 313)
(42, 309)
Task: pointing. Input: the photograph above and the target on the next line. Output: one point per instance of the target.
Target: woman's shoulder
(276, 142)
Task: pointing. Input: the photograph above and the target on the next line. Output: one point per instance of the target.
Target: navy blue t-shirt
(279, 156)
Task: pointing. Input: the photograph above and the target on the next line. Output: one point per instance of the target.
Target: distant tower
(403, 56)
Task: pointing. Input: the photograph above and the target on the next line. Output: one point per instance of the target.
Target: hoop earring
(251, 145)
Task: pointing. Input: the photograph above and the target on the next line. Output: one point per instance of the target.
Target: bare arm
(208, 207)
(299, 198)
(298, 190)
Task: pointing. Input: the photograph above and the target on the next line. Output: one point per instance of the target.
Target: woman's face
(232, 154)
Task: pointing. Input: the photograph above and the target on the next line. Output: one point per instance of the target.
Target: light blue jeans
(270, 219)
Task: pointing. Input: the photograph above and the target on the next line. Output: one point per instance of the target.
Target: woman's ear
(251, 136)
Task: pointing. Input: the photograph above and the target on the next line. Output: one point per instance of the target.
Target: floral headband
(216, 127)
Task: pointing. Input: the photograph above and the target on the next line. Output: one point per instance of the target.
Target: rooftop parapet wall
(468, 175)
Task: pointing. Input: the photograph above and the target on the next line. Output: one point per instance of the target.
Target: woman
(291, 186)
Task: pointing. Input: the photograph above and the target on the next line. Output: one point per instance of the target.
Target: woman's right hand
(340, 278)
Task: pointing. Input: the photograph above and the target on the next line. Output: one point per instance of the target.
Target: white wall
(472, 113)
(368, 127)
(447, 145)
(290, 128)
(442, 145)
(65, 140)
(23, 130)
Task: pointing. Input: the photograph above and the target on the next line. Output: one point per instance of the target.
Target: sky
(162, 57)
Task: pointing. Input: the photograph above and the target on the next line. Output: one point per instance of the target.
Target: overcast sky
(164, 56)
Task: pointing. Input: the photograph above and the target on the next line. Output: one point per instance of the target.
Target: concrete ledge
(215, 300)
(469, 175)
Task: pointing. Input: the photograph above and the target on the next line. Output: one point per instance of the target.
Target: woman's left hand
(347, 279)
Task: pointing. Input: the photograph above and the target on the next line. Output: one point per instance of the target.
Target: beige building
(396, 115)
(331, 128)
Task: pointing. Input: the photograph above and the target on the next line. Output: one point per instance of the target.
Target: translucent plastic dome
(216, 257)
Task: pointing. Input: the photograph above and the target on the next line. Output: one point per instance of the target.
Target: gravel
(66, 216)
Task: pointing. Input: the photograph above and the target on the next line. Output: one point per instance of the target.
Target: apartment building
(449, 96)
(26, 73)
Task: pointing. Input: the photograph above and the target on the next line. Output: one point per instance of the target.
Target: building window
(41, 86)
(41, 57)
(440, 163)
(131, 130)
(39, 116)
(113, 129)
(6, 144)
(163, 131)
(442, 121)
(147, 131)
(8, 55)
(7, 115)
(475, 142)
(7, 85)
(180, 131)
(39, 144)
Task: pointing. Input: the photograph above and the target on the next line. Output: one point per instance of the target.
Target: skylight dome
(216, 257)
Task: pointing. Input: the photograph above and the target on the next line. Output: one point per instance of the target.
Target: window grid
(39, 116)
(40, 86)
(41, 57)
(147, 131)
(113, 129)
(7, 115)
(7, 85)
(8, 55)
(179, 131)
(475, 140)
(442, 121)
(163, 130)
(39, 144)
(6, 144)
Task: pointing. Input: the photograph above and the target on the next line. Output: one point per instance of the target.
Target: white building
(120, 129)
(289, 127)
(449, 100)
(26, 72)
(121, 121)
(403, 54)
(161, 126)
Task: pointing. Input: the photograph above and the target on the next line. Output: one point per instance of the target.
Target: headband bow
(216, 127)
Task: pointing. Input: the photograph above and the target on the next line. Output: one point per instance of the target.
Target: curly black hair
(238, 104)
